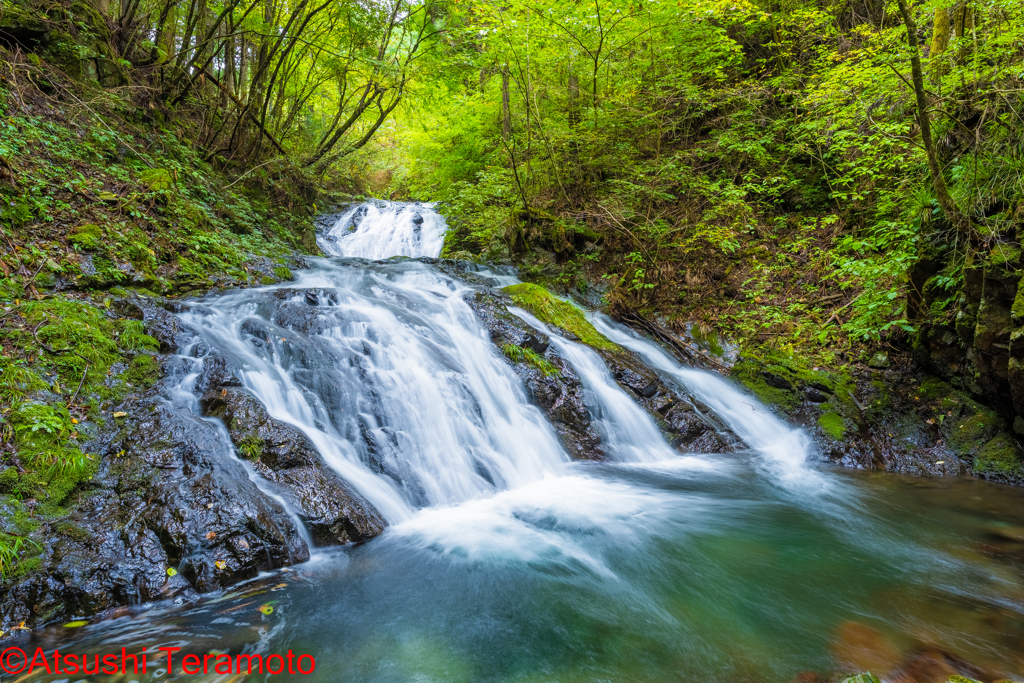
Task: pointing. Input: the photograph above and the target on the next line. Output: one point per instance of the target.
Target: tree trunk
(574, 97)
(506, 107)
(940, 40)
(946, 203)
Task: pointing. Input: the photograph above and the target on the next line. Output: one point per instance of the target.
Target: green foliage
(551, 310)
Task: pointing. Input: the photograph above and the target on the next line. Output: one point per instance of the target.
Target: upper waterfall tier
(379, 229)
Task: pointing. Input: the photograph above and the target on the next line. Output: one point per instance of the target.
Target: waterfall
(629, 432)
(380, 229)
(388, 372)
(784, 450)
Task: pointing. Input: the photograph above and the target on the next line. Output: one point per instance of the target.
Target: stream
(504, 560)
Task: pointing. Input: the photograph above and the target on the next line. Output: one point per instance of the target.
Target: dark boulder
(170, 513)
(331, 509)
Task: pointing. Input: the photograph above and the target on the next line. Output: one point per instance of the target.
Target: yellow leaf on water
(220, 564)
(171, 571)
(266, 608)
(75, 624)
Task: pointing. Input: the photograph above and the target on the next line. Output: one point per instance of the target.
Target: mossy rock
(88, 237)
(284, 273)
(157, 179)
(780, 379)
(933, 387)
(1000, 456)
(563, 315)
(966, 435)
(63, 52)
(862, 678)
(8, 480)
(833, 425)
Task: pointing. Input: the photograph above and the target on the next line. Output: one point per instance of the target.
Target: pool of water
(695, 568)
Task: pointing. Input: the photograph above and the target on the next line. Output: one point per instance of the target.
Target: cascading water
(506, 562)
(391, 377)
(380, 229)
(785, 450)
(629, 432)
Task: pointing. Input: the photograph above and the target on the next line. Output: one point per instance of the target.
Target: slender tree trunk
(506, 106)
(574, 99)
(940, 40)
(946, 203)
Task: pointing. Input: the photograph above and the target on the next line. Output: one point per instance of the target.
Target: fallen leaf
(209, 506)
(243, 543)
(266, 608)
(74, 421)
(931, 422)
(210, 536)
(220, 564)
(940, 462)
(20, 627)
(171, 571)
(75, 624)
(120, 413)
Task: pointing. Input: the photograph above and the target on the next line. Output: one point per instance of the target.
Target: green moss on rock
(283, 273)
(88, 237)
(966, 434)
(157, 179)
(832, 424)
(999, 456)
(553, 311)
(8, 480)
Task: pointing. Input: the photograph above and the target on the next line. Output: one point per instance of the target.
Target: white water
(629, 432)
(380, 229)
(783, 450)
(393, 380)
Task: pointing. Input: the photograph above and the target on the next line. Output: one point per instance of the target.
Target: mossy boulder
(284, 273)
(833, 425)
(969, 433)
(551, 310)
(157, 179)
(88, 237)
(8, 480)
(1000, 457)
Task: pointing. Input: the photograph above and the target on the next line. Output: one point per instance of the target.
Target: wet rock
(560, 395)
(331, 508)
(535, 343)
(879, 360)
(777, 381)
(167, 495)
(815, 396)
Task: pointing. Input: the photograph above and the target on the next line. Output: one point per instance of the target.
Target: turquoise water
(692, 569)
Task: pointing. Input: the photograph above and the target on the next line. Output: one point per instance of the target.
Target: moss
(157, 179)
(999, 456)
(832, 424)
(933, 387)
(755, 368)
(251, 447)
(88, 237)
(553, 311)
(861, 678)
(518, 354)
(966, 435)
(1017, 310)
(74, 532)
(283, 273)
(143, 372)
(267, 280)
(8, 480)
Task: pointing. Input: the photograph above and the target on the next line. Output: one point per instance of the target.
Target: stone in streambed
(334, 512)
